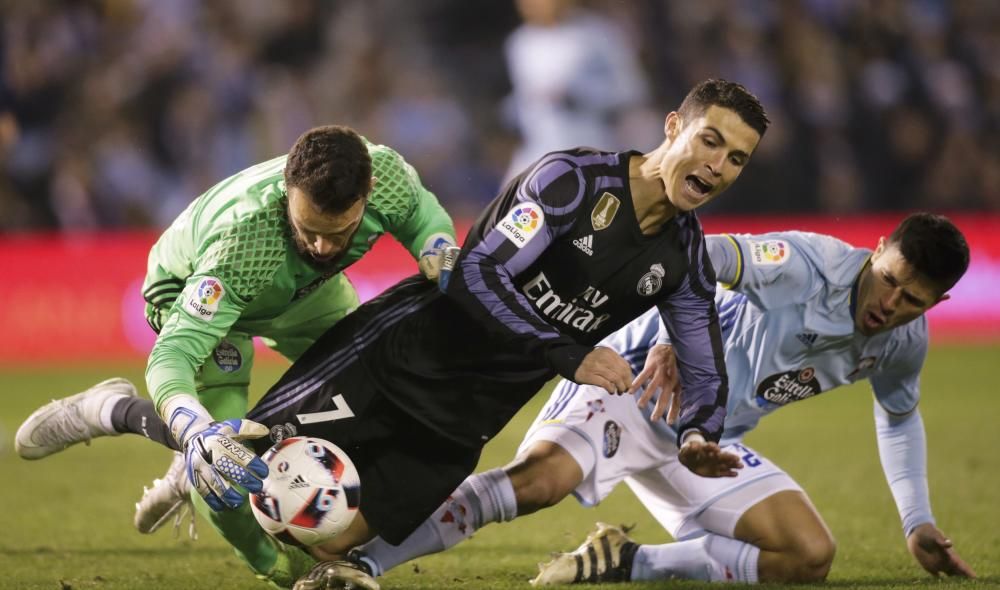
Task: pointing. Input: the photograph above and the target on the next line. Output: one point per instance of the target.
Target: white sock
(479, 500)
(710, 558)
(104, 417)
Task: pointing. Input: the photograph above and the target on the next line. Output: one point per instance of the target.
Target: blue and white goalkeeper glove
(213, 454)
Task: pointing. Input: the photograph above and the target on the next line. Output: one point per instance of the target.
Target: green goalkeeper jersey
(229, 263)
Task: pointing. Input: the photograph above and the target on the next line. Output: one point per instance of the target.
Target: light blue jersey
(787, 318)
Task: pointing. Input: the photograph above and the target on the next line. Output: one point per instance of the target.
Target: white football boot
(606, 556)
(169, 496)
(65, 422)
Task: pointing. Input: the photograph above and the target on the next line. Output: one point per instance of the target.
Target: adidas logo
(298, 482)
(585, 244)
(807, 338)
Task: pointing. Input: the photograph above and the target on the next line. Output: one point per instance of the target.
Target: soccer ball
(311, 493)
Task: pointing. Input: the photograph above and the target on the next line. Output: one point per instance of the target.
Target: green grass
(66, 521)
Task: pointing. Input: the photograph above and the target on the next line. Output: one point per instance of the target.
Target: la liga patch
(522, 223)
(204, 300)
(770, 252)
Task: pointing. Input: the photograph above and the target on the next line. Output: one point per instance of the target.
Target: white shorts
(612, 441)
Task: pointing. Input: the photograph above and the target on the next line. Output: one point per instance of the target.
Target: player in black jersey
(414, 383)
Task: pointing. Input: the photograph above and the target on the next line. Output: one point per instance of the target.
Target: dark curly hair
(934, 247)
(728, 95)
(332, 166)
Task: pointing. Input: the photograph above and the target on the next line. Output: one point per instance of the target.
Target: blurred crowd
(116, 113)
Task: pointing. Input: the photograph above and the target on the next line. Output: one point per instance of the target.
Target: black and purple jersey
(413, 383)
(558, 261)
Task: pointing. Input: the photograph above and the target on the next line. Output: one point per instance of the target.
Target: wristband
(691, 436)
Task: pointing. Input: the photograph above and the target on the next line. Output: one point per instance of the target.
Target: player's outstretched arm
(903, 450)
(604, 368)
(936, 553)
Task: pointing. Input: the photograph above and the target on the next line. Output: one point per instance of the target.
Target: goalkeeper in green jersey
(262, 253)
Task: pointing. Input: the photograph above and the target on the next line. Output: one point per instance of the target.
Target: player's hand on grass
(935, 552)
(707, 459)
(604, 368)
(659, 378)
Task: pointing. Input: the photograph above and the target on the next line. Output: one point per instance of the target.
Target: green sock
(292, 563)
(269, 559)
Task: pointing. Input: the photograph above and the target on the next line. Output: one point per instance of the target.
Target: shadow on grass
(923, 581)
(881, 583)
(187, 550)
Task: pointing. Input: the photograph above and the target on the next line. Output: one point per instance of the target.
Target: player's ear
(672, 125)
(944, 297)
(880, 248)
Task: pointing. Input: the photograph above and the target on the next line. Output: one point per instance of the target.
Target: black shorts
(409, 410)
(407, 470)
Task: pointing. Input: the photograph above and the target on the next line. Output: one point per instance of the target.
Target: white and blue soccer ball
(311, 493)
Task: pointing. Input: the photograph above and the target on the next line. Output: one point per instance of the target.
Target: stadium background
(114, 114)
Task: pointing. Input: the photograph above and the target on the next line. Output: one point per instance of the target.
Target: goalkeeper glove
(214, 457)
(432, 255)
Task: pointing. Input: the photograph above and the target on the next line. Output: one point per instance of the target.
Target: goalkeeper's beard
(327, 265)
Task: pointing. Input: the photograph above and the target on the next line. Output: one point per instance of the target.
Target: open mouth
(873, 320)
(698, 185)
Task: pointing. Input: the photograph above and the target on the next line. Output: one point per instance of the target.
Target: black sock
(628, 552)
(137, 415)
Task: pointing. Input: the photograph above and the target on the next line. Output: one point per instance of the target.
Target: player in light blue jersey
(802, 314)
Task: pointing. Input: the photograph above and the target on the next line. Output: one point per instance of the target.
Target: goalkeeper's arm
(425, 230)
(213, 454)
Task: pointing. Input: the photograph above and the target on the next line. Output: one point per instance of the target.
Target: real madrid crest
(604, 211)
(652, 281)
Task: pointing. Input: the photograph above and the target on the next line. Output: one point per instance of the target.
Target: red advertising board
(75, 298)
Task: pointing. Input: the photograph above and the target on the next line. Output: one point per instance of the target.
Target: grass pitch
(66, 520)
